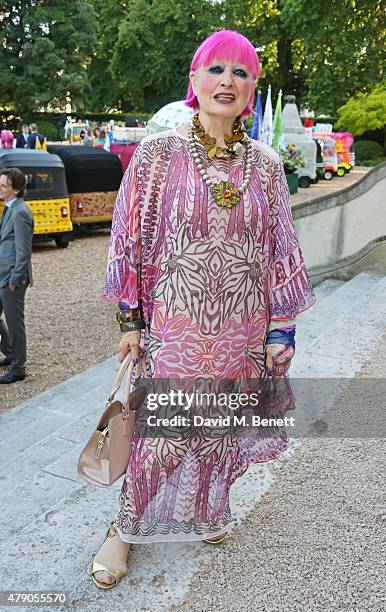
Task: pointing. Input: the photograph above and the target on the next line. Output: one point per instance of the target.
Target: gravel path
(69, 328)
(314, 543)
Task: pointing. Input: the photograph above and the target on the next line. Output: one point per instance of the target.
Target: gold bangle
(132, 325)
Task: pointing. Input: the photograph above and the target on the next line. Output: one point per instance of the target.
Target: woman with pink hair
(6, 139)
(207, 272)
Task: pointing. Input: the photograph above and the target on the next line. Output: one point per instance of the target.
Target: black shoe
(5, 362)
(11, 377)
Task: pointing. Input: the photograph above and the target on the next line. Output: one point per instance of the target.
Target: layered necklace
(225, 193)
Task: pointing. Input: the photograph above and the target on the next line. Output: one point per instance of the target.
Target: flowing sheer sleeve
(122, 278)
(291, 289)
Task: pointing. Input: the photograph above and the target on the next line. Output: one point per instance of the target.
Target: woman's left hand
(278, 359)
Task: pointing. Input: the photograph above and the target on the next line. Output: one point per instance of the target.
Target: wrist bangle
(279, 336)
(127, 317)
(126, 314)
(132, 325)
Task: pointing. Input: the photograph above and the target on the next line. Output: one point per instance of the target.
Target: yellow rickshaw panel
(92, 207)
(48, 215)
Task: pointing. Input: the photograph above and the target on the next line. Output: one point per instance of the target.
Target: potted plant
(292, 159)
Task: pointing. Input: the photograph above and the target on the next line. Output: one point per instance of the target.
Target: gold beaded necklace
(233, 141)
(225, 193)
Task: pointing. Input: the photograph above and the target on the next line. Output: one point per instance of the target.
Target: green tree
(45, 49)
(322, 52)
(364, 112)
(104, 95)
(343, 45)
(280, 54)
(146, 48)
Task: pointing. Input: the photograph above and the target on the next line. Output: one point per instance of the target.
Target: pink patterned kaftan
(211, 280)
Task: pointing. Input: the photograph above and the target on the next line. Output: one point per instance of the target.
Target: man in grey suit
(16, 230)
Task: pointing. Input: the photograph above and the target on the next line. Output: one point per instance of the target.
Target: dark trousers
(13, 343)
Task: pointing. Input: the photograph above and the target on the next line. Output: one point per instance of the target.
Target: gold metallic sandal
(219, 540)
(98, 567)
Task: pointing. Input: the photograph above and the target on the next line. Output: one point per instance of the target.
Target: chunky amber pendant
(225, 194)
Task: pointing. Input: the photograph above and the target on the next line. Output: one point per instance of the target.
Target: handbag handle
(126, 367)
(127, 364)
(119, 377)
(139, 366)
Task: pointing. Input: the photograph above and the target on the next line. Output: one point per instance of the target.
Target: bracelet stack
(285, 335)
(130, 319)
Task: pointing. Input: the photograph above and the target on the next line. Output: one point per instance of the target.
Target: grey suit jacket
(16, 246)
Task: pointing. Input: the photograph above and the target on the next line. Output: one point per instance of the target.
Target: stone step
(327, 287)
(22, 466)
(64, 404)
(316, 320)
(21, 437)
(65, 398)
(345, 342)
(355, 332)
(335, 357)
(63, 542)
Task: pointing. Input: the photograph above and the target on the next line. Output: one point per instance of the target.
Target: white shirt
(10, 202)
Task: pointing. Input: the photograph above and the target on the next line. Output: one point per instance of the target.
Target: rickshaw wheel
(61, 242)
(341, 172)
(304, 182)
(328, 175)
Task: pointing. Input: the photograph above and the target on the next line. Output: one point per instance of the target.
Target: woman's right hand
(130, 341)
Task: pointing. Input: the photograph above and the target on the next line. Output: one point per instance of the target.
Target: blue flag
(257, 119)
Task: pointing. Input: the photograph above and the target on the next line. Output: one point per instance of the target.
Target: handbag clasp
(101, 442)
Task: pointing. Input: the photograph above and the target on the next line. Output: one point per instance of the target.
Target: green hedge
(367, 150)
(371, 162)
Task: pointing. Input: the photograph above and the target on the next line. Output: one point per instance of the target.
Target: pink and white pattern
(211, 280)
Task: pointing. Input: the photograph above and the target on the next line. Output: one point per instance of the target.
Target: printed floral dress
(211, 279)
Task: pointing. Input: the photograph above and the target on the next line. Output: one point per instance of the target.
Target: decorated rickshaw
(46, 192)
(93, 178)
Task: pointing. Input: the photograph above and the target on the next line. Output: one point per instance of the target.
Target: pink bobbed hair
(6, 138)
(230, 46)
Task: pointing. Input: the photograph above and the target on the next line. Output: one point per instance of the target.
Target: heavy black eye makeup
(218, 69)
(240, 72)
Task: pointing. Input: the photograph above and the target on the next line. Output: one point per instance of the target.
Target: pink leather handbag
(106, 455)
